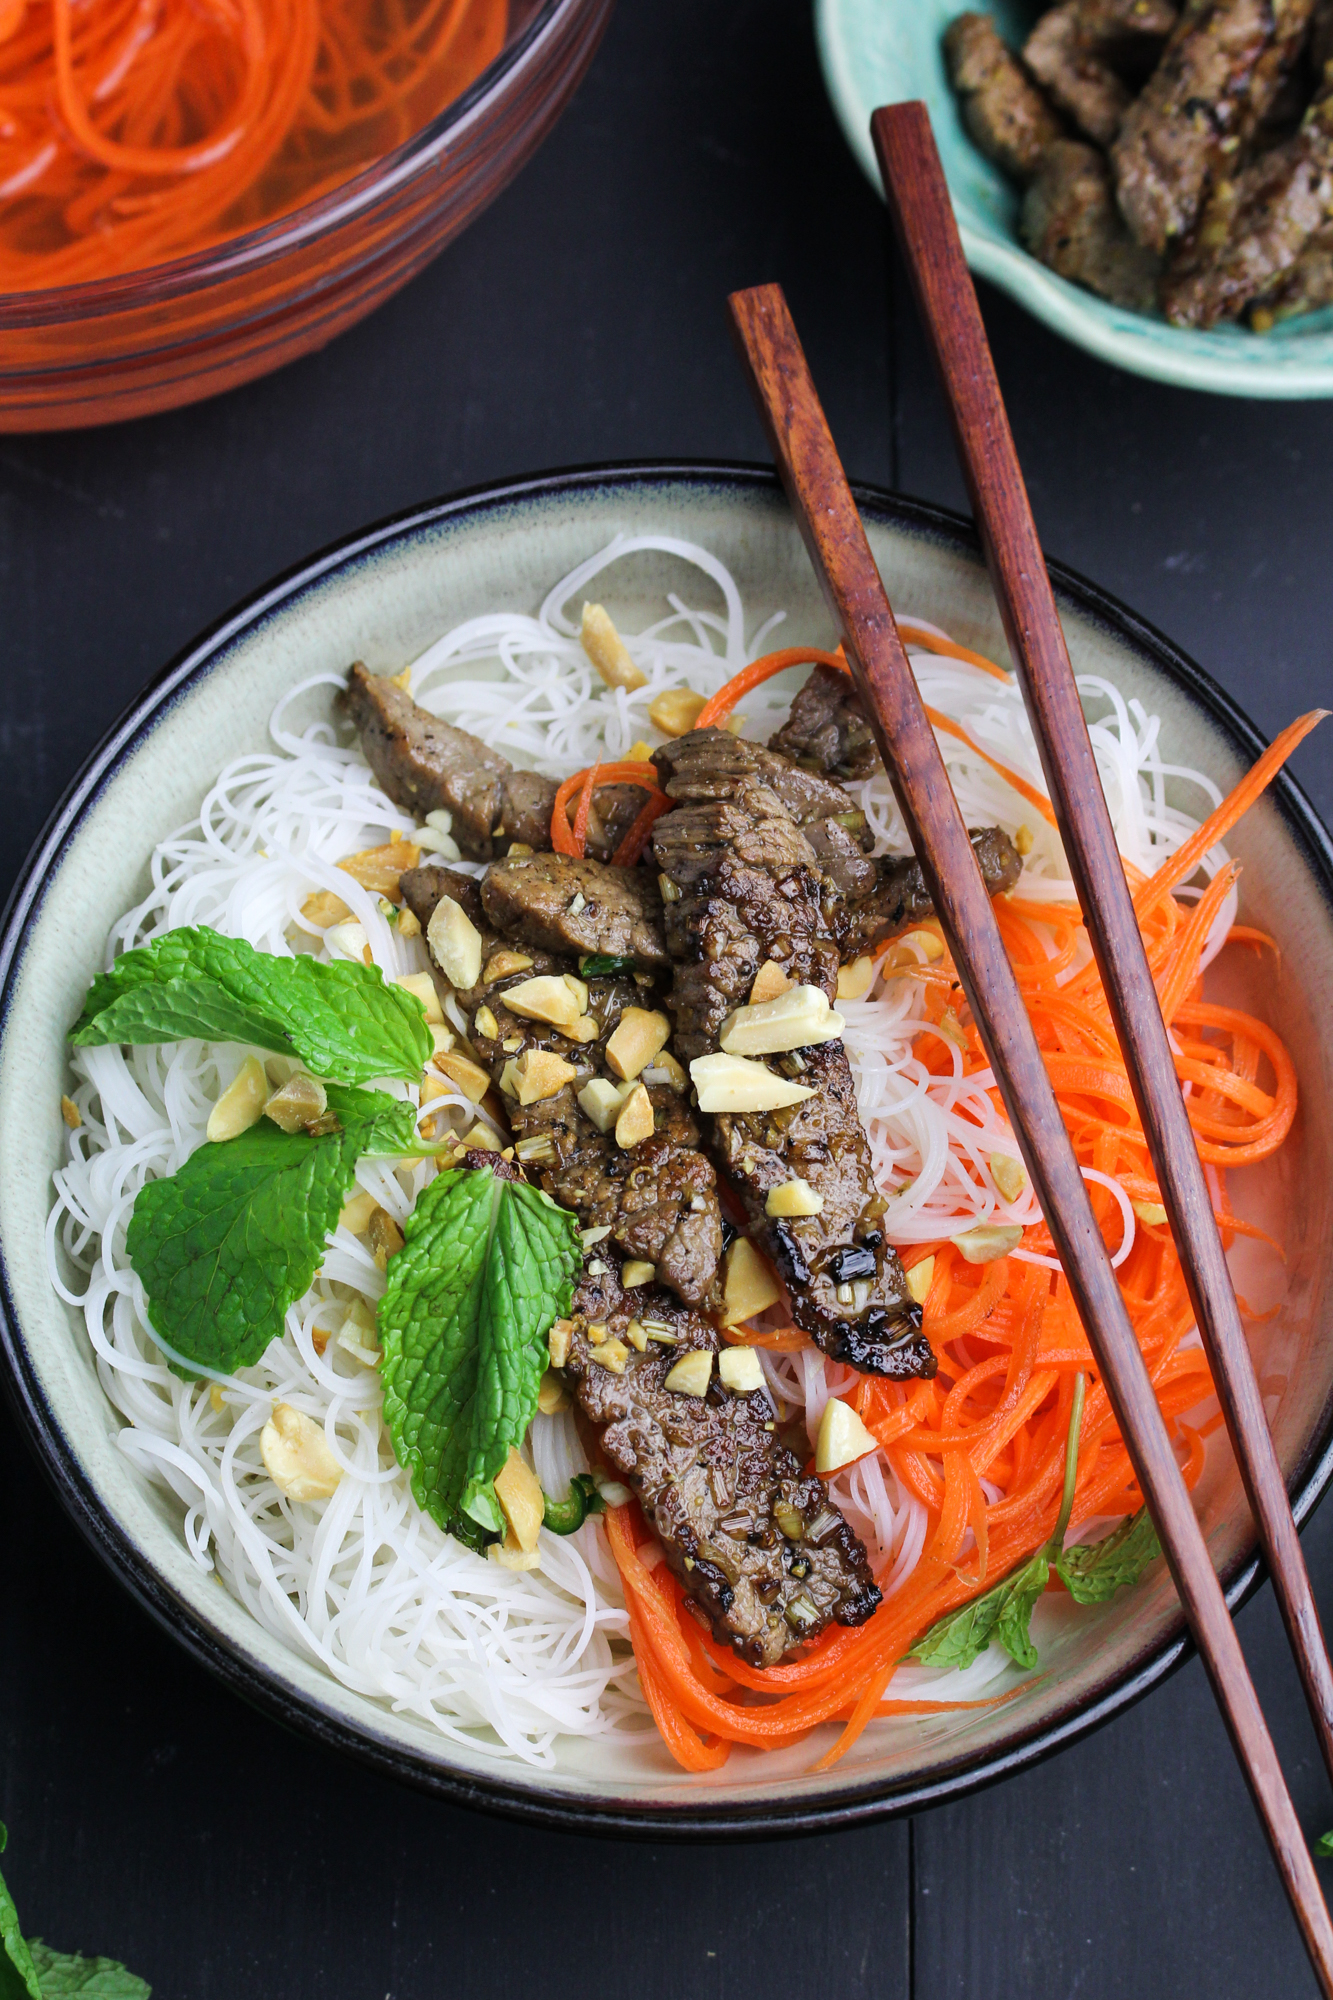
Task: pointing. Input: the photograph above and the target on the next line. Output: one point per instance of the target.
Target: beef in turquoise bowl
(881, 51)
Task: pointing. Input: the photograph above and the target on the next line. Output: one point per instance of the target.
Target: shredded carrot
(1007, 1337)
(567, 839)
(134, 131)
(715, 712)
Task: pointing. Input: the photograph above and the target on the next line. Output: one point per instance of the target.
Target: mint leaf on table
(487, 1265)
(1094, 1571)
(228, 1242)
(342, 1020)
(18, 1975)
(1323, 1847)
(62, 1973)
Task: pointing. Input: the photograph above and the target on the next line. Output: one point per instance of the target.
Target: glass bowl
(173, 333)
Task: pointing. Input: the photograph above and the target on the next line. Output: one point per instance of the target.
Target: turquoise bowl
(880, 51)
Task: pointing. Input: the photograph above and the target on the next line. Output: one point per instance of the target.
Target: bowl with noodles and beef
(526, 1271)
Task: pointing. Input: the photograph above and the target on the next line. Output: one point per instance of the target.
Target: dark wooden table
(151, 1815)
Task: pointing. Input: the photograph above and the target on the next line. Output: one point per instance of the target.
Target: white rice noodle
(366, 1582)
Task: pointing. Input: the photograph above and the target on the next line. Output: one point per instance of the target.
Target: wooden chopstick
(826, 513)
(928, 234)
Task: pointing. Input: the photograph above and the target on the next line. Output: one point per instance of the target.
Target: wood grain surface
(153, 1816)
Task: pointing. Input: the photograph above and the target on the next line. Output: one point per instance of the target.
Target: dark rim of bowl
(256, 247)
(265, 1689)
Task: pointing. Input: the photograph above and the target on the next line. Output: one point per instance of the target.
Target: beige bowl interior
(384, 605)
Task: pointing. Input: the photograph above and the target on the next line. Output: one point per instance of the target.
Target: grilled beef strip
(826, 731)
(741, 887)
(426, 765)
(658, 1199)
(561, 904)
(1088, 53)
(765, 1557)
(1305, 287)
(1221, 72)
(900, 896)
(1255, 228)
(1003, 108)
(1071, 224)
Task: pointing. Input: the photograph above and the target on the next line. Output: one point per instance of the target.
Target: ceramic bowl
(880, 51)
(381, 596)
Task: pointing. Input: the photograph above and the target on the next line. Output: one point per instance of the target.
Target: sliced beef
(1002, 107)
(847, 1285)
(1305, 287)
(1091, 55)
(900, 896)
(741, 886)
(1075, 76)
(765, 1557)
(1071, 224)
(426, 765)
(1254, 228)
(561, 904)
(659, 1198)
(827, 731)
(1223, 67)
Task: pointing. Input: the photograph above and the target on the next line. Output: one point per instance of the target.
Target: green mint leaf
(61, 1973)
(602, 965)
(487, 1265)
(1011, 1627)
(1323, 1847)
(18, 1975)
(343, 1021)
(1094, 1571)
(226, 1244)
(958, 1638)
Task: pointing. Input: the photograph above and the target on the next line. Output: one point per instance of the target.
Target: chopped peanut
(241, 1104)
(795, 1197)
(455, 943)
(357, 1211)
(612, 1354)
(769, 981)
(557, 1342)
(349, 940)
(1008, 1174)
(691, 1374)
(485, 1024)
(1151, 1212)
(501, 964)
(738, 1369)
(552, 1395)
(324, 908)
(988, 1241)
(519, 1492)
(71, 1114)
(666, 1070)
(731, 1083)
(635, 1272)
(1025, 840)
(795, 1020)
(919, 1278)
(749, 1287)
(482, 1135)
(379, 868)
(635, 1123)
(409, 924)
(465, 1075)
(510, 1554)
(547, 998)
(607, 650)
(601, 1100)
(539, 1074)
(640, 1036)
(676, 710)
(843, 1438)
(297, 1456)
(854, 980)
(422, 987)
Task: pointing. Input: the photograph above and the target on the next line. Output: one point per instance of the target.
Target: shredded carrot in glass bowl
(136, 131)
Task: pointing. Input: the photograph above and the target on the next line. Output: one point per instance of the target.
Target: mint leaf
(228, 1242)
(1094, 1571)
(18, 1975)
(957, 1639)
(487, 1265)
(61, 1973)
(341, 1020)
(1020, 1599)
(1323, 1847)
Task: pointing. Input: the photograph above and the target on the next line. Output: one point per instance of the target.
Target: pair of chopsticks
(817, 488)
